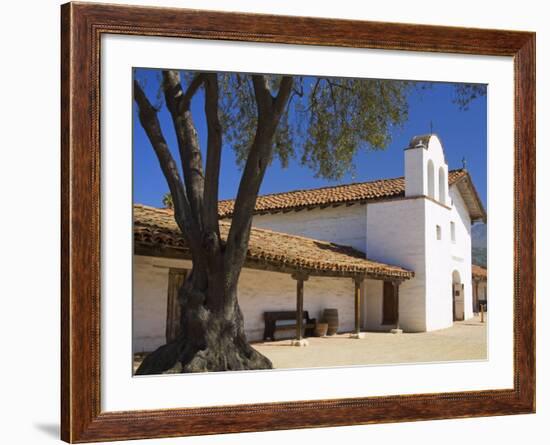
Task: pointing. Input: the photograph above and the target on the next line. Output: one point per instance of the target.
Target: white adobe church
(392, 254)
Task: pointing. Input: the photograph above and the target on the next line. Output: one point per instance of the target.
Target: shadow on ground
(49, 429)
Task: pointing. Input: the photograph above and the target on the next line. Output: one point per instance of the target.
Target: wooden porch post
(300, 278)
(299, 308)
(476, 296)
(357, 294)
(357, 305)
(397, 329)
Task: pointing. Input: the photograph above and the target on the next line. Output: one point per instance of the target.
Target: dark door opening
(389, 304)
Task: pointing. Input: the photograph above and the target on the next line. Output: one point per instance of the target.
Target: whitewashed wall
(345, 225)
(416, 183)
(439, 301)
(372, 314)
(259, 291)
(461, 251)
(396, 235)
(149, 303)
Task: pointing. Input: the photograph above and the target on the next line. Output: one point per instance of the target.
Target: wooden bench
(271, 319)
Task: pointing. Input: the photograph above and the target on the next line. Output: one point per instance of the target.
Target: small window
(453, 232)
(438, 232)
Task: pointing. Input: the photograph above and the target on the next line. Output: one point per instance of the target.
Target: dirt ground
(465, 340)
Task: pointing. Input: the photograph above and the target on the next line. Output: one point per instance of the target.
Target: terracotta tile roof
(156, 228)
(479, 272)
(340, 194)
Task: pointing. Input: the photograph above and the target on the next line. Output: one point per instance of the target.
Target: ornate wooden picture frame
(82, 26)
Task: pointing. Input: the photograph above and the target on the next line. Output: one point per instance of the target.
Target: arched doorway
(458, 297)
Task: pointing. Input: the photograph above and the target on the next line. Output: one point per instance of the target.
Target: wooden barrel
(321, 329)
(330, 316)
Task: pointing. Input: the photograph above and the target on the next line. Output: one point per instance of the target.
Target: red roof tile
(479, 272)
(340, 194)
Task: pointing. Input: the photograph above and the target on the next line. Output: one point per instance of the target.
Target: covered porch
(390, 304)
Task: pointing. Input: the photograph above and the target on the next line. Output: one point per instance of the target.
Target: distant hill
(479, 244)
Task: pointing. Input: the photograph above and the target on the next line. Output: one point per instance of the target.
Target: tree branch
(313, 95)
(150, 123)
(269, 113)
(339, 85)
(332, 96)
(192, 89)
(263, 97)
(282, 97)
(213, 156)
(178, 104)
(299, 92)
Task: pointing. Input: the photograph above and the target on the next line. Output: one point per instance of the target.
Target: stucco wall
(259, 291)
(372, 315)
(461, 251)
(150, 290)
(396, 235)
(345, 225)
(443, 257)
(404, 232)
(416, 183)
(439, 309)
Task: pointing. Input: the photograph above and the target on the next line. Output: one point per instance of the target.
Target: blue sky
(463, 134)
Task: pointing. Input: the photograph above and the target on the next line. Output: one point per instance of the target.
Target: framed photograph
(275, 222)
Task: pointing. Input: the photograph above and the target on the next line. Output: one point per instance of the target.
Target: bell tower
(426, 171)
